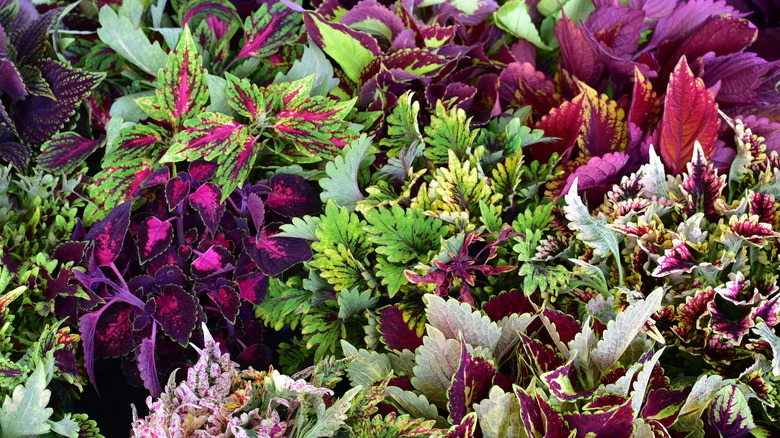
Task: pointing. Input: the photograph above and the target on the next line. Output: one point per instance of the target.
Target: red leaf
(645, 105)
(690, 114)
(521, 84)
(604, 129)
(176, 190)
(396, 333)
(564, 122)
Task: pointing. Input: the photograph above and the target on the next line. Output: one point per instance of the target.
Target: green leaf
(283, 304)
(413, 404)
(514, 18)
(322, 328)
(341, 184)
(592, 231)
(368, 367)
(403, 234)
(622, 331)
(459, 187)
(120, 34)
(219, 96)
(333, 418)
(403, 131)
(24, 413)
(339, 44)
(392, 275)
(312, 61)
(302, 228)
(448, 131)
(182, 93)
(768, 335)
(353, 302)
(341, 248)
(66, 427)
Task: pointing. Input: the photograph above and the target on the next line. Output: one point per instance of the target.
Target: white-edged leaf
(699, 398)
(499, 414)
(510, 326)
(642, 380)
(451, 317)
(591, 230)
(620, 332)
(770, 337)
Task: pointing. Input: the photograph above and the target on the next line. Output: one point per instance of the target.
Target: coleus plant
(302, 126)
(40, 94)
(185, 258)
(218, 399)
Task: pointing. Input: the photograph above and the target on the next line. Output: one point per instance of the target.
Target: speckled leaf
(702, 184)
(65, 151)
(604, 129)
(268, 29)
(108, 235)
(182, 93)
(206, 201)
(690, 115)
(177, 312)
(16, 154)
(214, 261)
(154, 236)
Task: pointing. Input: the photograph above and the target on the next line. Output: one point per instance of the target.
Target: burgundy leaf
(114, 333)
(212, 262)
(508, 303)
(676, 260)
(521, 84)
(539, 417)
(177, 313)
(686, 17)
(206, 201)
(577, 57)
(396, 333)
(465, 429)
(616, 422)
(564, 122)
(293, 196)
(664, 405)
(202, 170)
(154, 236)
(646, 106)
(227, 300)
(176, 191)
(739, 75)
(108, 234)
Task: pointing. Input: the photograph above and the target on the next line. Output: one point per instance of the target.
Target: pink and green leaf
(183, 92)
(268, 29)
(216, 260)
(316, 126)
(65, 151)
(245, 97)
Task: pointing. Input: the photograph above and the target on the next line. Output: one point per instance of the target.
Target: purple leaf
(599, 171)
(108, 235)
(664, 405)
(38, 118)
(617, 27)
(12, 83)
(30, 41)
(539, 417)
(206, 201)
(16, 154)
(686, 17)
(292, 196)
(464, 429)
(678, 259)
(212, 262)
(147, 367)
(275, 255)
(154, 236)
(739, 75)
(729, 414)
(176, 191)
(457, 396)
(170, 274)
(577, 57)
(227, 300)
(177, 312)
(702, 185)
(256, 209)
(376, 14)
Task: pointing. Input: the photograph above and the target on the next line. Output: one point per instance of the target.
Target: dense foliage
(453, 218)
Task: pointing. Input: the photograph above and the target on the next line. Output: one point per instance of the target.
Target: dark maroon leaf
(206, 201)
(293, 196)
(227, 300)
(465, 429)
(396, 333)
(275, 255)
(170, 274)
(65, 151)
(214, 261)
(108, 234)
(177, 312)
(538, 417)
(114, 334)
(176, 190)
(508, 303)
(664, 405)
(253, 287)
(154, 236)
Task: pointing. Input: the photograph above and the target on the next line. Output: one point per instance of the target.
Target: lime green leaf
(403, 234)
(514, 18)
(448, 131)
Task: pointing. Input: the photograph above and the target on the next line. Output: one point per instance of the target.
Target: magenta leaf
(65, 151)
(292, 196)
(539, 417)
(614, 422)
(176, 191)
(108, 235)
(245, 97)
(227, 300)
(154, 236)
(676, 260)
(256, 209)
(253, 287)
(202, 170)
(177, 312)
(206, 201)
(275, 255)
(702, 185)
(212, 262)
